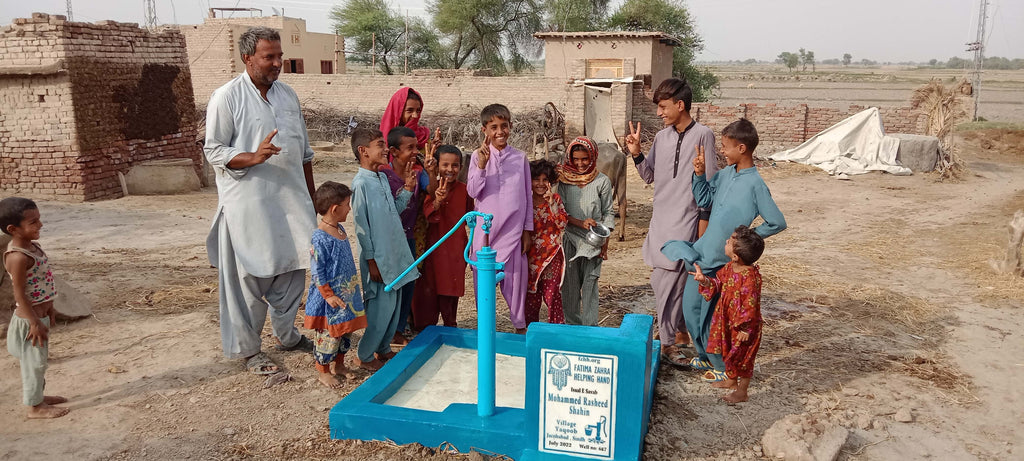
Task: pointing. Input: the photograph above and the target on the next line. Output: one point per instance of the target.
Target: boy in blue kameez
(736, 195)
(383, 250)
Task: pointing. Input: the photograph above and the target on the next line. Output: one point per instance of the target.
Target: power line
(150, 14)
(978, 47)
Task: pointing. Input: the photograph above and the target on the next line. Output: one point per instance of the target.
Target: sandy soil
(878, 298)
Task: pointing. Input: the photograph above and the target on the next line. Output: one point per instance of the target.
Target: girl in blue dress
(334, 306)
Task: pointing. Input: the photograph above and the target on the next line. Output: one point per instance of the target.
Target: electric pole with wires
(150, 7)
(978, 47)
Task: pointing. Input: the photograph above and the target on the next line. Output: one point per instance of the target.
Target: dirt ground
(878, 299)
(1002, 91)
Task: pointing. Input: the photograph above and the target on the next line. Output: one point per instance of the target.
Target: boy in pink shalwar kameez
(499, 181)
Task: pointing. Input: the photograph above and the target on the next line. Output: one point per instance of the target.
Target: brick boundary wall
(84, 101)
(780, 127)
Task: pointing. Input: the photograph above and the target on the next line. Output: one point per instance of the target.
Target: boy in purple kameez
(669, 165)
(499, 181)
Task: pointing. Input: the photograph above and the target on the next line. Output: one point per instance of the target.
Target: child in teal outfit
(736, 195)
(334, 305)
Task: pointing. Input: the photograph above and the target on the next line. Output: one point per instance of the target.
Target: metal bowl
(597, 235)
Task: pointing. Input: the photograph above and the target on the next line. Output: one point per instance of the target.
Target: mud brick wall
(88, 100)
(36, 135)
(370, 94)
(779, 127)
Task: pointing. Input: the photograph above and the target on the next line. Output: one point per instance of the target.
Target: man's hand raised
(266, 150)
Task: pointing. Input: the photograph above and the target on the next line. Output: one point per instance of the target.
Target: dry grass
(797, 284)
(176, 298)
(772, 170)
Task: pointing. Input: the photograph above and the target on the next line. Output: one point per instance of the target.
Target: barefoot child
(736, 195)
(34, 292)
(546, 258)
(588, 200)
(383, 250)
(499, 181)
(334, 305)
(444, 272)
(736, 323)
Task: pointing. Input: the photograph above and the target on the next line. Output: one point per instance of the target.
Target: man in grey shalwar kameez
(669, 165)
(257, 143)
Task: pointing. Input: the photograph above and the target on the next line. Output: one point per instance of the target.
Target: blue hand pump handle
(489, 273)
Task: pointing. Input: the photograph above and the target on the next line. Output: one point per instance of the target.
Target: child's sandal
(714, 376)
(697, 364)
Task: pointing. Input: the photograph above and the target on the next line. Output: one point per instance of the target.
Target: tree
(790, 60)
(847, 59)
(575, 15)
(956, 63)
(491, 34)
(670, 17)
(808, 58)
(803, 59)
(365, 22)
(372, 27)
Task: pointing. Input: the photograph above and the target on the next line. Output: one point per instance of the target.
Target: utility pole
(150, 12)
(978, 47)
(70, 18)
(407, 41)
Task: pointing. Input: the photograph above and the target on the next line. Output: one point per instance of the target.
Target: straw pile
(945, 109)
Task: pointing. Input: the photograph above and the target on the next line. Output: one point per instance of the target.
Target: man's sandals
(260, 364)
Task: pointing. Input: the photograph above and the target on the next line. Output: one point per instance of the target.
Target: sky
(880, 30)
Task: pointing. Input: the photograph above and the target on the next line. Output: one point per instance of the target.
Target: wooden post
(337, 52)
(373, 54)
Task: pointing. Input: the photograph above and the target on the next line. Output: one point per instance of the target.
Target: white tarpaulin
(855, 145)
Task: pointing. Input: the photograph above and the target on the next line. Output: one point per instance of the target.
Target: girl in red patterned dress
(736, 322)
(545, 257)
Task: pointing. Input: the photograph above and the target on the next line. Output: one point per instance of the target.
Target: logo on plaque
(577, 411)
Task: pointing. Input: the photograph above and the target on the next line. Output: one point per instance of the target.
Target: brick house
(82, 102)
(604, 54)
(215, 59)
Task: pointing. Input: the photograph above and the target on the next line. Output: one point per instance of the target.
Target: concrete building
(214, 57)
(82, 102)
(604, 54)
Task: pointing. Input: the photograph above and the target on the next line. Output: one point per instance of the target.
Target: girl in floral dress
(736, 322)
(545, 257)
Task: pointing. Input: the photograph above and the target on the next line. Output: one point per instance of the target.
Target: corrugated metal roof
(661, 36)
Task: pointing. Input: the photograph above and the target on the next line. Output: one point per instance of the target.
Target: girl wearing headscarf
(404, 109)
(587, 197)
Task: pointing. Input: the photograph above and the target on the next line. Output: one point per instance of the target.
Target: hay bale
(917, 152)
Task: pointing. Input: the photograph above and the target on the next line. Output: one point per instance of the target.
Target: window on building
(296, 38)
(292, 66)
(604, 68)
(326, 67)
